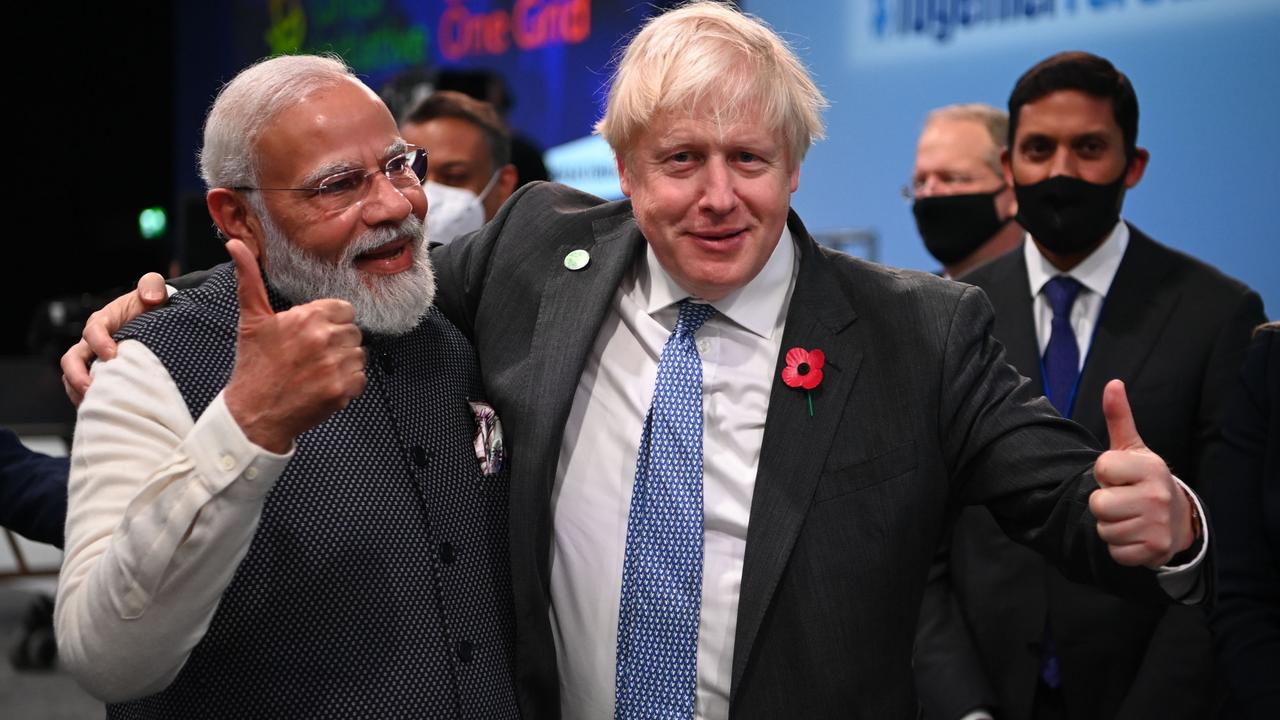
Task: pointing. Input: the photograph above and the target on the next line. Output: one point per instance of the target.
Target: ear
(508, 177)
(1006, 162)
(234, 218)
(1137, 166)
(622, 175)
(795, 178)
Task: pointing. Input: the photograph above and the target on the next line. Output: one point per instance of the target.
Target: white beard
(385, 305)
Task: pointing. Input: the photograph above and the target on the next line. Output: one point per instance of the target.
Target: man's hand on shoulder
(1143, 514)
(96, 342)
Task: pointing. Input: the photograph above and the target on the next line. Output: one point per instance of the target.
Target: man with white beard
(287, 495)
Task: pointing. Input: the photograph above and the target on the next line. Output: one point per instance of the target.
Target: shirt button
(226, 462)
(704, 346)
(251, 473)
(464, 650)
(388, 363)
(447, 553)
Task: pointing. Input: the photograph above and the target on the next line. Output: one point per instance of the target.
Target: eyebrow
(315, 177)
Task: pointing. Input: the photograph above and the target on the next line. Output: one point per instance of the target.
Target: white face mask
(454, 211)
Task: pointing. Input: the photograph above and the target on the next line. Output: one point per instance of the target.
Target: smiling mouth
(718, 235)
(382, 252)
(390, 258)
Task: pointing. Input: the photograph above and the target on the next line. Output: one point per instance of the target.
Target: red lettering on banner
(539, 23)
(462, 33)
(531, 24)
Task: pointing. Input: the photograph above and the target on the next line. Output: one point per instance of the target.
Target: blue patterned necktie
(1061, 369)
(661, 597)
(1062, 355)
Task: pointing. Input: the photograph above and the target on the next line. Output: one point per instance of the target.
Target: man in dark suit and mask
(1087, 298)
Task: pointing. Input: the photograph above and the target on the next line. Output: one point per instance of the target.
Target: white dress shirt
(1095, 273)
(592, 495)
(161, 510)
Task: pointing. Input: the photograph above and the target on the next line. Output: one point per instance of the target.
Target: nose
(385, 202)
(719, 196)
(1063, 163)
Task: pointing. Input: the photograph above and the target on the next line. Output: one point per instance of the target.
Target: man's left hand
(1143, 514)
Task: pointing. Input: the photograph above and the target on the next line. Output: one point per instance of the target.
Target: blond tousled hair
(709, 52)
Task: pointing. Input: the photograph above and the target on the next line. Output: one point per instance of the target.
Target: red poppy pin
(804, 370)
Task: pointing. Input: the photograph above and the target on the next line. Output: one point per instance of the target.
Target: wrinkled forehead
(719, 116)
(721, 124)
(955, 140)
(1066, 113)
(329, 129)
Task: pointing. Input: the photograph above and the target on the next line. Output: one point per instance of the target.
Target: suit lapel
(573, 307)
(795, 445)
(1138, 305)
(1010, 295)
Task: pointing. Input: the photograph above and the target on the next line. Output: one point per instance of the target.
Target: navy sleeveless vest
(378, 582)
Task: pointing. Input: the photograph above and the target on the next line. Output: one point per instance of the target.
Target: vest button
(420, 455)
(388, 363)
(464, 650)
(447, 553)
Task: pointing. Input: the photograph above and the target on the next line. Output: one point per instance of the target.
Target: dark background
(107, 111)
(90, 116)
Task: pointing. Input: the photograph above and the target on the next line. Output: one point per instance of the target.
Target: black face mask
(1068, 215)
(953, 226)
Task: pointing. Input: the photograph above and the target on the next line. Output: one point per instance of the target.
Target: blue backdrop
(1207, 75)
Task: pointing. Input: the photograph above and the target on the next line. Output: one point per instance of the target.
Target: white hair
(249, 102)
(992, 119)
(385, 305)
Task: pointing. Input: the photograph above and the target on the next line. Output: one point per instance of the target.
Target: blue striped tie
(661, 597)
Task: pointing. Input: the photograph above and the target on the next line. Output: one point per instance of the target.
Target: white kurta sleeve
(161, 510)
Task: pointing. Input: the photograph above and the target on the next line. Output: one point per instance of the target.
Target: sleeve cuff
(223, 454)
(1183, 582)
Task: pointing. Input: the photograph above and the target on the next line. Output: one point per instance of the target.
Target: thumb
(249, 288)
(1120, 426)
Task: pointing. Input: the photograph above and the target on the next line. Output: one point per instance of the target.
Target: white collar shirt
(1095, 273)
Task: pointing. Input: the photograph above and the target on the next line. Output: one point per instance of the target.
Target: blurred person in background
(470, 173)
(1245, 499)
(491, 87)
(962, 205)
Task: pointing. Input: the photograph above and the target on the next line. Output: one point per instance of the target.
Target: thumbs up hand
(1143, 515)
(293, 369)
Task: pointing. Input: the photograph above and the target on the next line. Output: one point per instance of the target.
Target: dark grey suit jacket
(917, 414)
(1175, 330)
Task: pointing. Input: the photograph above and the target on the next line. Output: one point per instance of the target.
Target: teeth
(385, 251)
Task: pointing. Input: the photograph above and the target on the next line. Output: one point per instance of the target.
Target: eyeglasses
(342, 190)
(949, 181)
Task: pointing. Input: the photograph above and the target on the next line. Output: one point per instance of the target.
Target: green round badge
(577, 259)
